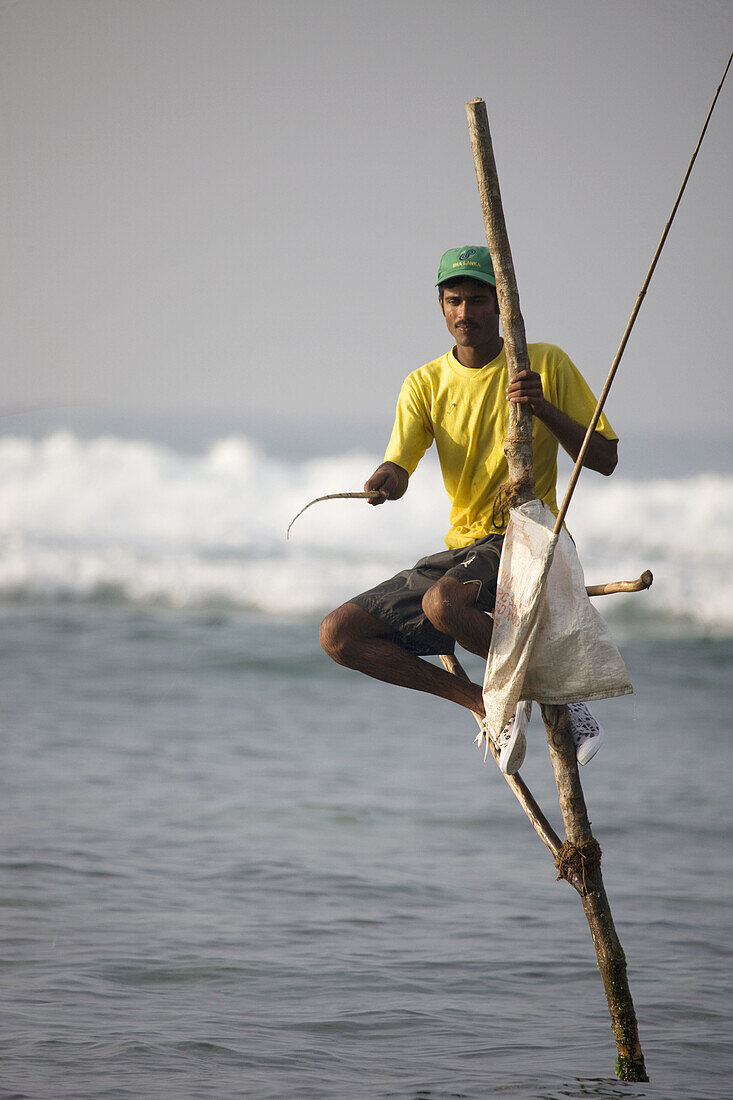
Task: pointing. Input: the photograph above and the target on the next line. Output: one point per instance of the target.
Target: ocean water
(232, 869)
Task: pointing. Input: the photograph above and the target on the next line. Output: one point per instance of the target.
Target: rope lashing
(582, 859)
(508, 496)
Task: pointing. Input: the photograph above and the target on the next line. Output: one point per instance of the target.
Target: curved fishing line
(372, 494)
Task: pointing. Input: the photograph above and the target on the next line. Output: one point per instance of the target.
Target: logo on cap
(467, 254)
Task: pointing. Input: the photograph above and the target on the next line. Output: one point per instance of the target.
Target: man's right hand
(390, 480)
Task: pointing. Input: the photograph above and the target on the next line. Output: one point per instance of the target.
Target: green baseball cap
(466, 263)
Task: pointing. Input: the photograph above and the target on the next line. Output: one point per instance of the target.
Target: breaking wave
(132, 520)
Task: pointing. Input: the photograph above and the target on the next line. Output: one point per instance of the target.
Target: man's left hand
(602, 454)
(526, 389)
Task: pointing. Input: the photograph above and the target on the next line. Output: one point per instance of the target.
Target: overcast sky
(235, 210)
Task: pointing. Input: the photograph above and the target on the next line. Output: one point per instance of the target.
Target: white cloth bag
(549, 643)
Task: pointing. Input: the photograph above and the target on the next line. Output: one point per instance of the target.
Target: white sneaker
(588, 734)
(511, 742)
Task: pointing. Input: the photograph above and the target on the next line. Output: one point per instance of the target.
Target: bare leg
(449, 604)
(353, 637)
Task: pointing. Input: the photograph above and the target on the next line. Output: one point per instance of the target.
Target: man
(460, 401)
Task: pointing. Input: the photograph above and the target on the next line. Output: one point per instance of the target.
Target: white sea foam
(133, 520)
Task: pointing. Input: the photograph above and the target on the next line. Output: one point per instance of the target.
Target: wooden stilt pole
(579, 858)
(524, 796)
(518, 443)
(579, 861)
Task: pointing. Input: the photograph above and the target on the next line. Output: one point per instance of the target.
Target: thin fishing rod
(614, 366)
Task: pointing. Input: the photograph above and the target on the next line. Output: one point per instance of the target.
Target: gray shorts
(398, 601)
